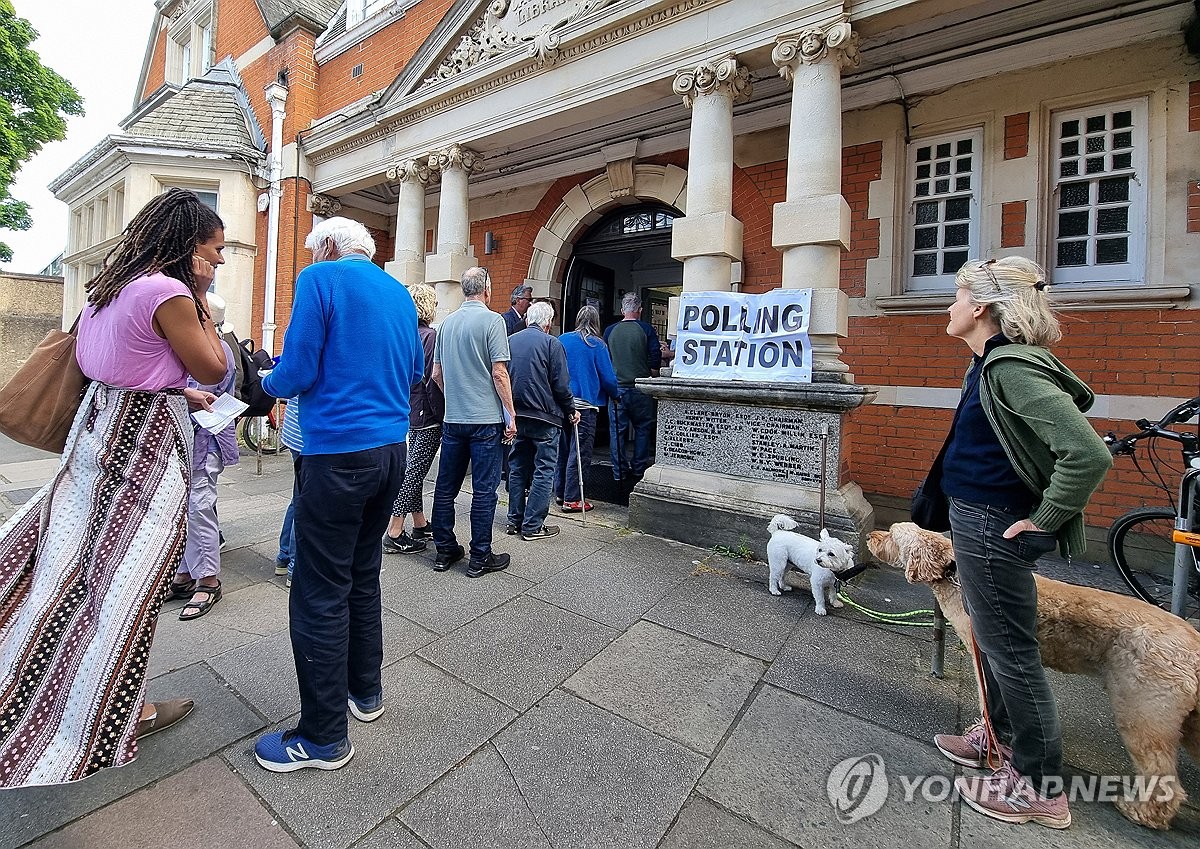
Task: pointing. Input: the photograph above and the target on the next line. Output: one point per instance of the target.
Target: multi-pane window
(1099, 200)
(943, 221)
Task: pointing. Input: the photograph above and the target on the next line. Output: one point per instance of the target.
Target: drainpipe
(276, 97)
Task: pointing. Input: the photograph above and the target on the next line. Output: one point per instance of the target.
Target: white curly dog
(821, 559)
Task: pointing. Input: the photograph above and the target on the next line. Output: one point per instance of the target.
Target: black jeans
(566, 475)
(462, 444)
(999, 593)
(343, 502)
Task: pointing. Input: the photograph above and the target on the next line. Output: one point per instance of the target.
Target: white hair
(632, 302)
(540, 314)
(348, 237)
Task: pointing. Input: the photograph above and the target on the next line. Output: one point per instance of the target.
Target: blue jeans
(531, 468)
(343, 504)
(637, 408)
(479, 445)
(566, 476)
(1001, 598)
(287, 535)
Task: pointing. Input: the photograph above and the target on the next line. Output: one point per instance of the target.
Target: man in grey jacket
(543, 402)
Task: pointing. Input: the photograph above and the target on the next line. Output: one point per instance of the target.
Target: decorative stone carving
(620, 178)
(838, 42)
(324, 205)
(717, 76)
(508, 24)
(418, 170)
(456, 156)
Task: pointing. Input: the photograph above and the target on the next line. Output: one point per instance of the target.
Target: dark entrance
(628, 250)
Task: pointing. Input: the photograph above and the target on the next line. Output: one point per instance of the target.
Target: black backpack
(250, 391)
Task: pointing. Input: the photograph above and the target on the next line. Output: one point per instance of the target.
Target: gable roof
(213, 110)
(313, 15)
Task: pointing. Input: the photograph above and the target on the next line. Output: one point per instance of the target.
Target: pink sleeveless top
(118, 345)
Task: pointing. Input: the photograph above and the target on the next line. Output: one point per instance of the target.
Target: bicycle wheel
(1140, 546)
(259, 431)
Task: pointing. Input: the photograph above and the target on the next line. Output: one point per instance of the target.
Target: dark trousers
(566, 475)
(531, 466)
(1001, 598)
(343, 502)
(480, 446)
(636, 408)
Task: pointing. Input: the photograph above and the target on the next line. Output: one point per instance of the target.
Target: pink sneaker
(971, 748)
(1006, 795)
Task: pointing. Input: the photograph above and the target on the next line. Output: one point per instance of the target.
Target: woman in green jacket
(1020, 464)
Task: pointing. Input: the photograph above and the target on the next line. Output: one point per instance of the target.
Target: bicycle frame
(1185, 538)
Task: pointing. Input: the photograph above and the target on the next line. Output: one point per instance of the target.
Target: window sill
(1067, 297)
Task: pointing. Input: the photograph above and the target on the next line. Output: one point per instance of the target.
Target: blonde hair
(1015, 291)
(426, 300)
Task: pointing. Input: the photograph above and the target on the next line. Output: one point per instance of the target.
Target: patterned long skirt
(84, 567)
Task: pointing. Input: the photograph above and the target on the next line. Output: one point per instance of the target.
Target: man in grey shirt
(470, 365)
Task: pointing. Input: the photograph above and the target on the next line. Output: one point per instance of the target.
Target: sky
(99, 47)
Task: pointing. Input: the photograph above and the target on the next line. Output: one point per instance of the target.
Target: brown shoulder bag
(39, 403)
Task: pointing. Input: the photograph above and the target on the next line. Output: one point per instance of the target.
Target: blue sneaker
(287, 751)
(366, 710)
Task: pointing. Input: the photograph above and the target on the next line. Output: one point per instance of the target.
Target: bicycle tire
(258, 429)
(1140, 546)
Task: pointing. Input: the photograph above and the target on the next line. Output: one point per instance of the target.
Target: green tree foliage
(34, 103)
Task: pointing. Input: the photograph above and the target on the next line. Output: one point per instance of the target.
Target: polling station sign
(736, 336)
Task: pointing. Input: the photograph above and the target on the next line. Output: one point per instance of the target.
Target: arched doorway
(627, 250)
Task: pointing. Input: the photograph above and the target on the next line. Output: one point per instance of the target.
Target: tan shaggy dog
(1148, 659)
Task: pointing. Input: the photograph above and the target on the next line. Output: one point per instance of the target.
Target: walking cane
(580, 406)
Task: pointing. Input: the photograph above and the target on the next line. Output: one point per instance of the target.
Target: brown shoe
(166, 714)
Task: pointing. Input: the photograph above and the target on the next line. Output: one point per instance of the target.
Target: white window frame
(189, 45)
(358, 11)
(941, 281)
(201, 189)
(1133, 270)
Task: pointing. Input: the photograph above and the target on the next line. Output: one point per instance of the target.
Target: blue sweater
(351, 352)
(591, 369)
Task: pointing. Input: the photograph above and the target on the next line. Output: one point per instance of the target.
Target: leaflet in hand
(224, 410)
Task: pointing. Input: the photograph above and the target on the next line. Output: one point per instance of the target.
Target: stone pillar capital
(837, 43)
(324, 205)
(724, 76)
(456, 156)
(416, 170)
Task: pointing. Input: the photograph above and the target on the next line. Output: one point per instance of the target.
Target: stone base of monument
(733, 454)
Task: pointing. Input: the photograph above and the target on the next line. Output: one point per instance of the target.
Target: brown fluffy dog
(1148, 659)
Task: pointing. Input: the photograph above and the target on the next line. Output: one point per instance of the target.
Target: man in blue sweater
(351, 353)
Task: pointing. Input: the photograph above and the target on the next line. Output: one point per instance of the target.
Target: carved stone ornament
(418, 170)
(456, 156)
(838, 43)
(724, 76)
(324, 205)
(509, 24)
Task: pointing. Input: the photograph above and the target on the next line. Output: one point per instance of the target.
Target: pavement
(610, 689)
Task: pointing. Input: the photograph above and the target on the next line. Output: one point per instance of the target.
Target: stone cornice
(724, 76)
(837, 43)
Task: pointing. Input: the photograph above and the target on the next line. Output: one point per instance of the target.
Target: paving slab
(30, 471)
(673, 684)
(495, 817)
(702, 825)
(731, 611)
(773, 771)
(872, 674)
(443, 601)
(520, 651)
(608, 587)
(537, 560)
(219, 719)
(390, 835)
(431, 723)
(594, 780)
(205, 805)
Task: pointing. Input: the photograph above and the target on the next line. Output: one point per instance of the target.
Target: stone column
(708, 239)
(408, 265)
(812, 226)
(455, 255)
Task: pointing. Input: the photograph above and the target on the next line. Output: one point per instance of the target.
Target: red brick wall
(1016, 136)
(1012, 224)
(1194, 107)
(156, 74)
(861, 165)
(1193, 216)
(240, 26)
(382, 55)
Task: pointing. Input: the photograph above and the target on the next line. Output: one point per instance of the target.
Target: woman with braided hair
(85, 564)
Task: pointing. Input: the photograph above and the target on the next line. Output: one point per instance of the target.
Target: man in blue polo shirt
(350, 353)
